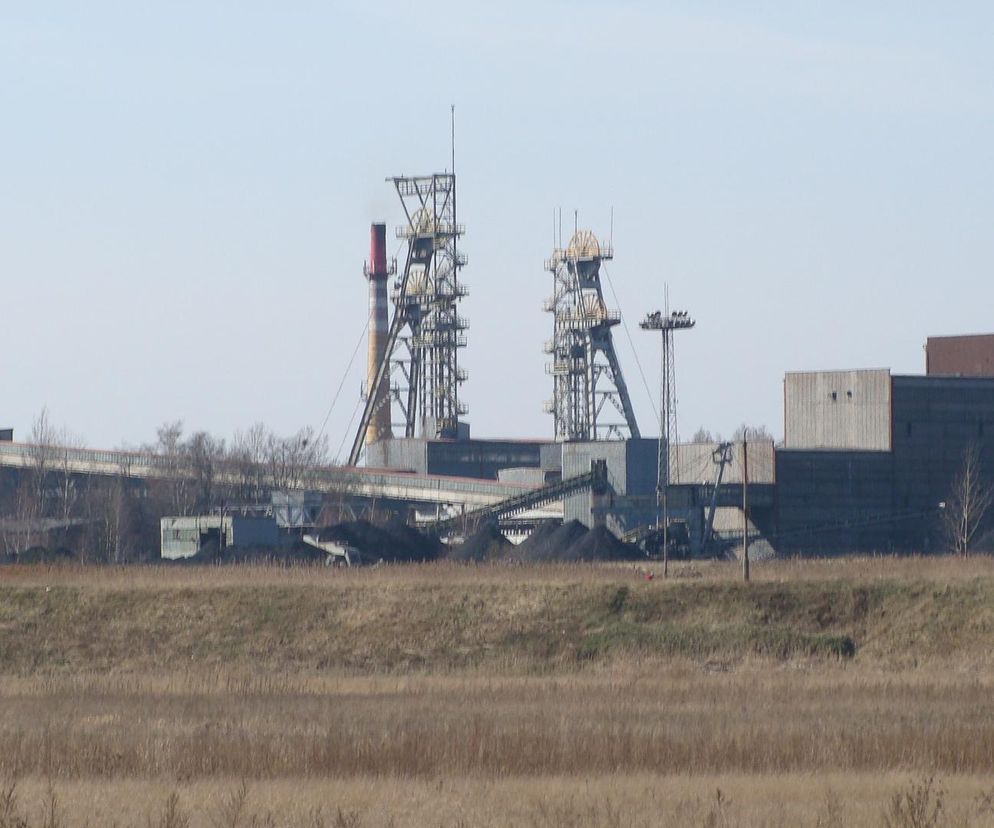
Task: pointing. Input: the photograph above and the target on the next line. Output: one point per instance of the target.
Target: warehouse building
(869, 457)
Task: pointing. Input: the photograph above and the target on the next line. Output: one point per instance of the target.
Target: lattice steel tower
(666, 323)
(585, 369)
(426, 331)
(427, 297)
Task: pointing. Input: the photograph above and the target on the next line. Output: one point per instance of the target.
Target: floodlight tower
(666, 323)
(585, 369)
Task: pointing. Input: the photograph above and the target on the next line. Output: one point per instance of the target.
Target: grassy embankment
(444, 695)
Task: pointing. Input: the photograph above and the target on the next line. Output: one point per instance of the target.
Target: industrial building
(484, 459)
(866, 458)
(184, 537)
(413, 372)
(869, 457)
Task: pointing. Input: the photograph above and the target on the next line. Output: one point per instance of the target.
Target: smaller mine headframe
(585, 369)
(421, 346)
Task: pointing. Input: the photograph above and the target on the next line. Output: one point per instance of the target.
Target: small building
(184, 537)
(6, 435)
(960, 356)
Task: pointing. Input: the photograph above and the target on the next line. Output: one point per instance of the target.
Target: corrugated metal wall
(631, 472)
(404, 454)
(834, 501)
(838, 410)
(694, 463)
(935, 421)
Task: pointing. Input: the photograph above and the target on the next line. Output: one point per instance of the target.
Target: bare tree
(21, 534)
(43, 453)
(205, 456)
(51, 453)
(176, 484)
(291, 459)
(969, 501)
(68, 489)
(248, 461)
(49, 488)
(753, 434)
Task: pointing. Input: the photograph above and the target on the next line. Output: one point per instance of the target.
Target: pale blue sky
(186, 189)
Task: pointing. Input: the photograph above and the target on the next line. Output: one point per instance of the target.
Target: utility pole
(745, 509)
(666, 531)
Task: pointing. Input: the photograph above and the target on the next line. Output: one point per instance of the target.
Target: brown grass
(505, 619)
(834, 800)
(487, 696)
(627, 719)
(943, 568)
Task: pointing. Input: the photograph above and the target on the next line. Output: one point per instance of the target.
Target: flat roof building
(960, 356)
(868, 457)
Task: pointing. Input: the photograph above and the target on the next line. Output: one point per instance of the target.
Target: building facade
(869, 458)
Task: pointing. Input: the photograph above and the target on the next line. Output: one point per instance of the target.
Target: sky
(186, 191)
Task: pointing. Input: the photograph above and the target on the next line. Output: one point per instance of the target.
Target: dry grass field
(823, 693)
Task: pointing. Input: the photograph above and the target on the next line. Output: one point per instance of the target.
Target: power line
(345, 376)
(348, 428)
(635, 353)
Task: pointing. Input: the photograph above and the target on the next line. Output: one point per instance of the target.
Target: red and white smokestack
(377, 273)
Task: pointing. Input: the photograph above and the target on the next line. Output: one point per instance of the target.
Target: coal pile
(600, 544)
(574, 542)
(485, 544)
(391, 543)
(427, 545)
(554, 545)
(536, 540)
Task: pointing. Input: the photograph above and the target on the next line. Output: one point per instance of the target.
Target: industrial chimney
(377, 272)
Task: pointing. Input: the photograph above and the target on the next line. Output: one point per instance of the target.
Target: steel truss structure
(587, 377)
(666, 323)
(426, 331)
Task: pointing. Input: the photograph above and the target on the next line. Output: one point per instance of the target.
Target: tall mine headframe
(588, 385)
(419, 361)
(427, 297)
